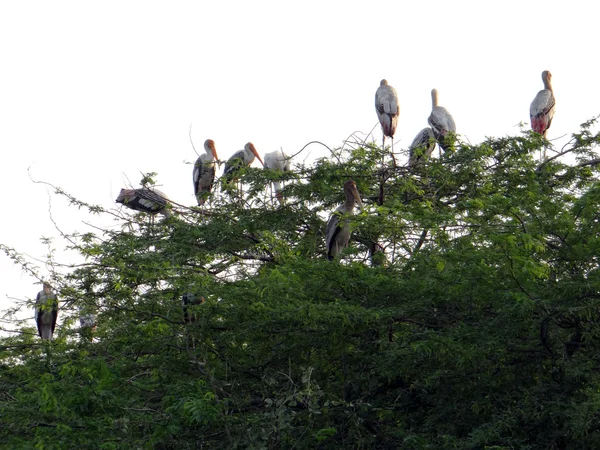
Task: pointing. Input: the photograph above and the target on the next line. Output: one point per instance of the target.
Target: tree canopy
(465, 312)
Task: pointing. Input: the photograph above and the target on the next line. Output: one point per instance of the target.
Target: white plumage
(204, 172)
(543, 106)
(387, 108)
(277, 160)
(337, 233)
(441, 121)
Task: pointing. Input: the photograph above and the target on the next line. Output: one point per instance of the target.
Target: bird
(421, 148)
(441, 121)
(188, 300)
(87, 319)
(145, 199)
(337, 233)
(277, 160)
(204, 172)
(388, 109)
(240, 159)
(46, 311)
(543, 106)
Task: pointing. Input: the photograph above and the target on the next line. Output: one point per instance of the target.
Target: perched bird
(204, 172)
(543, 106)
(188, 300)
(422, 147)
(388, 109)
(147, 200)
(337, 233)
(87, 319)
(441, 121)
(277, 160)
(240, 159)
(46, 312)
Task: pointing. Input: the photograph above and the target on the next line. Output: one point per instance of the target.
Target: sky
(92, 94)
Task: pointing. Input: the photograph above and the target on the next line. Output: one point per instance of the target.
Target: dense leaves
(464, 314)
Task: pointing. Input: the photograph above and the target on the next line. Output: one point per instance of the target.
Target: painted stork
(441, 121)
(278, 160)
(337, 233)
(388, 110)
(543, 106)
(46, 312)
(187, 300)
(240, 159)
(421, 148)
(147, 200)
(204, 172)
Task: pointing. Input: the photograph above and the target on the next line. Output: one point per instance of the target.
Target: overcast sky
(94, 93)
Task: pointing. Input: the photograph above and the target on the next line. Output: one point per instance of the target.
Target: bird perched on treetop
(240, 159)
(46, 311)
(441, 121)
(388, 109)
(204, 172)
(337, 233)
(145, 199)
(277, 160)
(543, 106)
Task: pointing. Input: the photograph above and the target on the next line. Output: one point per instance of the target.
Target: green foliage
(464, 314)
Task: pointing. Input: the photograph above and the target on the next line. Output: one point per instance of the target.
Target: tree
(477, 325)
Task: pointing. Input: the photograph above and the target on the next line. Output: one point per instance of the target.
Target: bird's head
(383, 82)
(434, 97)
(350, 187)
(209, 146)
(546, 78)
(47, 288)
(249, 147)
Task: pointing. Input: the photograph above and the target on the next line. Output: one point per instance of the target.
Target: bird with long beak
(46, 312)
(441, 121)
(240, 159)
(337, 233)
(204, 172)
(543, 106)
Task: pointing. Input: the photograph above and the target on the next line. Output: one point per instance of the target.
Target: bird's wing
(441, 121)
(386, 101)
(234, 163)
(332, 230)
(542, 104)
(422, 145)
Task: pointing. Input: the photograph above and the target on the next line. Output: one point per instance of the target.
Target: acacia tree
(474, 325)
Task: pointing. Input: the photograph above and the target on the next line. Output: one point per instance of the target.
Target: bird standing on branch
(441, 121)
(388, 110)
(46, 312)
(337, 233)
(543, 106)
(204, 172)
(278, 160)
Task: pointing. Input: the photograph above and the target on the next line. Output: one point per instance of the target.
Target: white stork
(187, 300)
(240, 159)
(204, 172)
(388, 110)
(278, 160)
(543, 106)
(422, 147)
(147, 200)
(337, 233)
(441, 121)
(46, 312)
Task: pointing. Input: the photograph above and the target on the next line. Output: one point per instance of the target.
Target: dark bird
(187, 300)
(441, 121)
(337, 233)
(388, 109)
(543, 106)
(204, 172)
(46, 312)
(277, 160)
(240, 159)
(147, 200)
(421, 148)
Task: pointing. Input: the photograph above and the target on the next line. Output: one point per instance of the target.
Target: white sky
(93, 93)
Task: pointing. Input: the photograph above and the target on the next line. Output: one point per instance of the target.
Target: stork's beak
(356, 195)
(258, 156)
